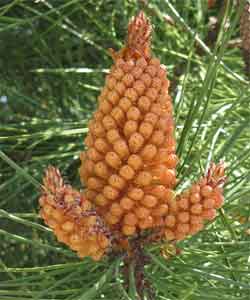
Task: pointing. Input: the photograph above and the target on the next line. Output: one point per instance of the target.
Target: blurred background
(53, 60)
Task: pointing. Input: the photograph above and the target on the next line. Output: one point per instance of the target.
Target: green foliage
(53, 58)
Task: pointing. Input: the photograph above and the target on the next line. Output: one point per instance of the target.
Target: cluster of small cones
(198, 204)
(72, 218)
(129, 167)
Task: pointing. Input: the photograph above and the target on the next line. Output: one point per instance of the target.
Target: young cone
(71, 217)
(196, 205)
(130, 162)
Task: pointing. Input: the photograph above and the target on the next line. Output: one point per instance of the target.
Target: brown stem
(246, 58)
(138, 259)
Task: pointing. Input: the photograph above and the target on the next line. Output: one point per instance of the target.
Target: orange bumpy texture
(129, 166)
(196, 205)
(71, 218)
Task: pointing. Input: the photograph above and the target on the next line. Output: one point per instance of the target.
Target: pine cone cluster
(129, 166)
(198, 204)
(72, 218)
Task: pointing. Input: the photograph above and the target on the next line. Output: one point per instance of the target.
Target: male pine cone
(129, 167)
(194, 206)
(71, 217)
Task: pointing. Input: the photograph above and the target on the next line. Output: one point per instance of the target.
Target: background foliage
(53, 58)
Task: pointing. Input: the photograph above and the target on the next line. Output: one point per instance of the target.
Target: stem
(132, 281)
(137, 284)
